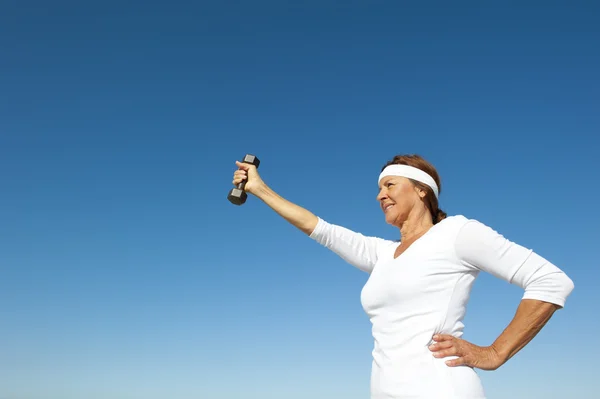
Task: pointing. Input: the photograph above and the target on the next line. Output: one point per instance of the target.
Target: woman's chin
(392, 218)
(389, 218)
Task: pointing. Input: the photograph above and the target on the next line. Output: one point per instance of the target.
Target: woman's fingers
(440, 345)
(445, 346)
(238, 179)
(242, 165)
(239, 176)
(443, 337)
(452, 351)
(460, 361)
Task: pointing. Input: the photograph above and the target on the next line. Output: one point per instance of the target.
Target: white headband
(410, 172)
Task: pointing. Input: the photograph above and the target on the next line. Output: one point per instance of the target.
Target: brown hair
(430, 200)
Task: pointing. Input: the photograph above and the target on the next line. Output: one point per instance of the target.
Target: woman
(418, 288)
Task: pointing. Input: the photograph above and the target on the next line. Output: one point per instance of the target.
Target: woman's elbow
(567, 285)
(553, 288)
(563, 287)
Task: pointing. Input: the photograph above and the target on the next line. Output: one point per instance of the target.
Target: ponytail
(438, 216)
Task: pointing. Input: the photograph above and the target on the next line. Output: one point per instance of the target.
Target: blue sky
(126, 274)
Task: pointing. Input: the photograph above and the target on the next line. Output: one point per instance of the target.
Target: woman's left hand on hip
(468, 354)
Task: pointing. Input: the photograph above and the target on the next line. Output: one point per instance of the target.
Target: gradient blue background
(126, 274)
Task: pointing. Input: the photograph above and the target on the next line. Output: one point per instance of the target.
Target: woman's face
(397, 196)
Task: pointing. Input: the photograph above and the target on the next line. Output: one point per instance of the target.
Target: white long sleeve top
(425, 291)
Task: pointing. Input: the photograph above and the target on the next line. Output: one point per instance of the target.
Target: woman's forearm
(302, 218)
(529, 319)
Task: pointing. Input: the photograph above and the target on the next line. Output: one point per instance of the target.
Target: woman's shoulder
(467, 231)
(451, 226)
(453, 222)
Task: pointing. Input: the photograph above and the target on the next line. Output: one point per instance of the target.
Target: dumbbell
(237, 195)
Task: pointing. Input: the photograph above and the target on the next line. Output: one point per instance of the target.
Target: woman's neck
(417, 224)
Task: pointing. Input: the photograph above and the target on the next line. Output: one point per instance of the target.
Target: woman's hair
(430, 200)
